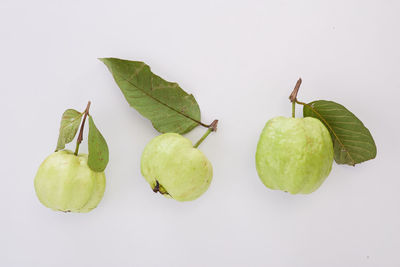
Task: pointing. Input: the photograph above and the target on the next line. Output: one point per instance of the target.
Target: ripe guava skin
(294, 154)
(64, 182)
(170, 164)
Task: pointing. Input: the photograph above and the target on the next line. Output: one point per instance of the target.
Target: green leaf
(352, 141)
(70, 122)
(165, 104)
(98, 149)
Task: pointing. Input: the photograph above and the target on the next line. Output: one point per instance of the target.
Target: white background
(241, 61)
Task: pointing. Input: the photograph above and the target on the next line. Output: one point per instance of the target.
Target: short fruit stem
(80, 136)
(293, 109)
(212, 128)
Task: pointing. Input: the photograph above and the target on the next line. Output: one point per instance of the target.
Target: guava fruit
(64, 182)
(174, 168)
(294, 154)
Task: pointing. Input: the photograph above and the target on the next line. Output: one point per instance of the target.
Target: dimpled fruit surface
(65, 182)
(174, 168)
(294, 154)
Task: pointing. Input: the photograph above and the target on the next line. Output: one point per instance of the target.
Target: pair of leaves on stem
(165, 104)
(352, 141)
(98, 149)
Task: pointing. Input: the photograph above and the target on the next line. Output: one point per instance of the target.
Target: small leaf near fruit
(352, 141)
(165, 104)
(70, 122)
(98, 149)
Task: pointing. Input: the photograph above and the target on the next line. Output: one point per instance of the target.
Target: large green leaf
(165, 104)
(98, 149)
(70, 122)
(352, 141)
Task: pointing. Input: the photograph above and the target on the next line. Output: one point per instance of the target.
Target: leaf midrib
(157, 100)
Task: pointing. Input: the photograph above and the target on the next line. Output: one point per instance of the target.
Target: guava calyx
(157, 188)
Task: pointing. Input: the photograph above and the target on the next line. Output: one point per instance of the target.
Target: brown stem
(80, 136)
(293, 95)
(213, 126)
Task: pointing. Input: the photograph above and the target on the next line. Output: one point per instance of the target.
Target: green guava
(174, 168)
(64, 182)
(294, 154)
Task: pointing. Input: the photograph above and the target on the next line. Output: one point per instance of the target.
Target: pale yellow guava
(64, 182)
(174, 168)
(294, 154)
